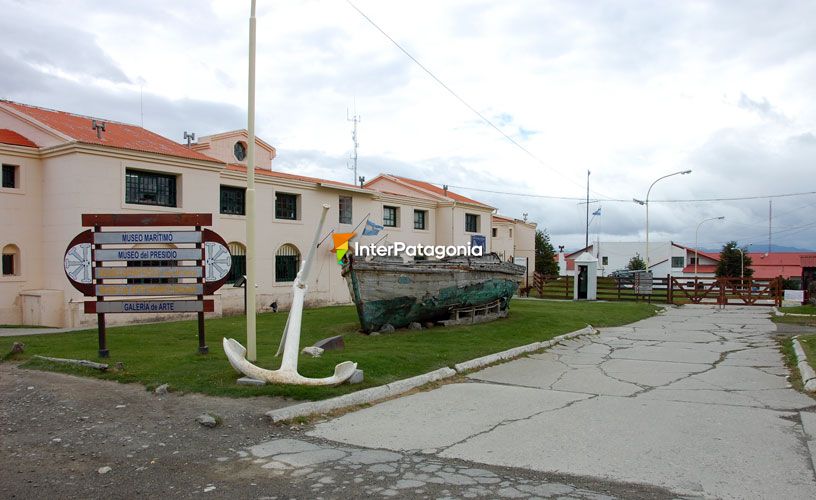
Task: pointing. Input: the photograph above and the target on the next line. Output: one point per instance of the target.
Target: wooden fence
(668, 289)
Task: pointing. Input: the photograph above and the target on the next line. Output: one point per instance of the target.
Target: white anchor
(290, 342)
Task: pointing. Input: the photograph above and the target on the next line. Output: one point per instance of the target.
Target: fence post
(669, 290)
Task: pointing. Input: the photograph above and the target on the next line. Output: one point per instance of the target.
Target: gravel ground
(59, 434)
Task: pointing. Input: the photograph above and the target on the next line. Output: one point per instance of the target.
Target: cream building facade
(57, 166)
(514, 240)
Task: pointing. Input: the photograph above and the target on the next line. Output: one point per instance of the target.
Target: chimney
(99, 126)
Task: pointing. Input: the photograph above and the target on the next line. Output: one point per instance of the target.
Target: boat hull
(402, 294)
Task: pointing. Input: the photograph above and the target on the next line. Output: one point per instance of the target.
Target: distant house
(672, 259)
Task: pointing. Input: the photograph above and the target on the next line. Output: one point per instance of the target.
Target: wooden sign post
(132, 266)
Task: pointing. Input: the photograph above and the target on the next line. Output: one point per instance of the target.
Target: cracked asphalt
(691, 403)
(694, 401)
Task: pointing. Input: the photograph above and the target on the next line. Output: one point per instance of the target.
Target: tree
(545, 262)
(636, 263)
(729, 265)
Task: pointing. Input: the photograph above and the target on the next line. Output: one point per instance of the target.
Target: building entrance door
(582, 282)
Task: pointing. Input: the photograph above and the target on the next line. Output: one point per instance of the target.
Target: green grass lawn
(809, 346)
(808, 309)
(166, 352)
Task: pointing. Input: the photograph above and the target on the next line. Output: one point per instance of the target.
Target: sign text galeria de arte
(196, 269)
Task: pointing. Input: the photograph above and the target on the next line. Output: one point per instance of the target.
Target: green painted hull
(402, 294)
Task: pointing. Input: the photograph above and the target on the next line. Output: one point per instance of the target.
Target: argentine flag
(371, 229)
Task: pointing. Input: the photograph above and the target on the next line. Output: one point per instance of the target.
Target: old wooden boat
(387, 290)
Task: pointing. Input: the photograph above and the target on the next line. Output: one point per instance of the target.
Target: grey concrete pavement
(695, 401)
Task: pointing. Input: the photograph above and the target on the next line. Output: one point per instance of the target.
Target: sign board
(132, 237)
(153, 306)
(164, 257)
(520, 261)
(478, 240)
(795, 295)
(643, 283)
(133, 254)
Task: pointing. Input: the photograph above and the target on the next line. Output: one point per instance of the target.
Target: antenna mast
(352, 163)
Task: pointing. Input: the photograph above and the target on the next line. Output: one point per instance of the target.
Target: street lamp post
(696, 239)
(742, 262)
(641, 202)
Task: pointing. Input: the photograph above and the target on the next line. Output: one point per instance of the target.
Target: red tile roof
(11, 137)
(284, 175)
(116, 135)
(436, 190)
(808, 261)
(776, 264)
(503, 218)
(701, 268)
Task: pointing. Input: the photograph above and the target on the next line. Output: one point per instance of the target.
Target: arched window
(238, 269)
(287, 262)
(11, 261)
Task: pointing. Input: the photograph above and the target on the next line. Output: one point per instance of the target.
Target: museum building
(57, 166)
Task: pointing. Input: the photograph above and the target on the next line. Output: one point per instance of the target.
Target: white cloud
(629, 90)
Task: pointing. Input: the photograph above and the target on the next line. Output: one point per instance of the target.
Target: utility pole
(353, 158)
(586, 242)
(770, 218)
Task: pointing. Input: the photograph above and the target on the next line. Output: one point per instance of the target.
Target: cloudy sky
(629, 90)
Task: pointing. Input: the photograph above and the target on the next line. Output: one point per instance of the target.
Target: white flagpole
(250, 195)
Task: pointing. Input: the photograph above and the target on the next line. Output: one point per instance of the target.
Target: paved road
(695, 401)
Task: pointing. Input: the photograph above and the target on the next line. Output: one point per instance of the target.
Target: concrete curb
(359, 397)
(401, 386)
(805, 370)
(518, 351)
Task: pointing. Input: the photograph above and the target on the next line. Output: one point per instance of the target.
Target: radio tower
(352, 163)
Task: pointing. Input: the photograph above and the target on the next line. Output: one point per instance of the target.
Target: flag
(597, 212)
(371, 229)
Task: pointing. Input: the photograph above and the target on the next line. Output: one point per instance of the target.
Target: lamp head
(639, 202)
(684, 172)
(722, 217)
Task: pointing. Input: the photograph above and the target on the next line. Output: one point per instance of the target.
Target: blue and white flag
(371, 229)
(597, 212)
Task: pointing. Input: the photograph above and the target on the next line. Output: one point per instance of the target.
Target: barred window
(238, 269)
(419, 219)
(150, 188)
(286, 206)
(287, 259)
(345, 210)
(390, 216)
(471, 223)
(10, 176)
(233, 200)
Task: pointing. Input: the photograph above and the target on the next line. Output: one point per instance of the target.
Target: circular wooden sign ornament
(78, 264)
(217, 261)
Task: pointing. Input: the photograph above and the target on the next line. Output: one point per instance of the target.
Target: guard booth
(586, 277)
